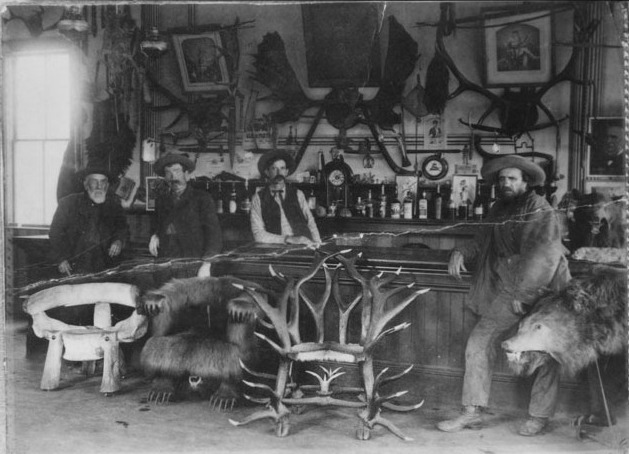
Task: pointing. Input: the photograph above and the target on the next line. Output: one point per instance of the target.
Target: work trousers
(480, 354)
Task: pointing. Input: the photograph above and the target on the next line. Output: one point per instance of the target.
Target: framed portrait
(606, 148)
(464, 188)
(518, 49)
(153, 186)
(434, 129)
(612, 189)
(201, 62)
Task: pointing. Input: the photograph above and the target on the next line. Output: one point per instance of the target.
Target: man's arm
(312, 226)
(212, 234)
(260, 234)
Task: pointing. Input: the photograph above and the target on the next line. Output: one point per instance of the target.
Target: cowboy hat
(271, 156)
(534, 172)
(94, 170)
(173, 158)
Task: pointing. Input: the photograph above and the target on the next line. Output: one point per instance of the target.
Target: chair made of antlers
(85, 343)
(372, 299)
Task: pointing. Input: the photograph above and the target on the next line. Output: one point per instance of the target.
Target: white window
(38, 130)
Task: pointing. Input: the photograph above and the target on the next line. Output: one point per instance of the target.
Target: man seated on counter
(279, 212)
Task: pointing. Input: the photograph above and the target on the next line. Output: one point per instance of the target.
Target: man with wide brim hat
(171, 158)
(280, 212)
(270, 157)
(534, 174)
(516, 253)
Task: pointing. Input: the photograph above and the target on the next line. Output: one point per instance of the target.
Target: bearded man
(517, 254)
(89, 229)
(280, 212)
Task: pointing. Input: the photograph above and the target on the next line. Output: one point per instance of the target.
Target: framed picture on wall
(606, 148)
(201, 62)
(464, 188)
(153, 185)
(611, 189)
(518, 49)
(434, 132)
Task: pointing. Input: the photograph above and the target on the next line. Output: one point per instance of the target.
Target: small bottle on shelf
(369, 205)
(359, 208)
(451, 209)
(219, 200)
(312, 201)
(479, 206)
(407, 208)
(396, 206)
(492, 197)
(382, 208)
(422, 206)
(233, 205)
(321, 161)
(438, 203)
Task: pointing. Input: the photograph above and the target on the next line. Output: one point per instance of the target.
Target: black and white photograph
(270, 227)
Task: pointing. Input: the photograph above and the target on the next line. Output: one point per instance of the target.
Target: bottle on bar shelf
(479, 208)
(359, 208)
(451, 209)
(321, 160)
(438, 203)
(219, 200)
(422, 206)
(245, 204)
(408, 206)
(369, 205)
(233, 206)
(382, 208)
(492, 197)
(396, 206)
(312, 201)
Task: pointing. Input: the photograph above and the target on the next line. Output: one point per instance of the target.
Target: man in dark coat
(186, 224)
(280, 212)
(517, 254)
(89, 229)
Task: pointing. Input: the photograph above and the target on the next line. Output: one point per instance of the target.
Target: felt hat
(94, 170)
(534, 172)
(271, 156)
(173, 158)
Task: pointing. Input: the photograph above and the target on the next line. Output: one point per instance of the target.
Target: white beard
(97, 196)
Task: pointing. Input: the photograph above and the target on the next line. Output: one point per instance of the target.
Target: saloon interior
(387, 109)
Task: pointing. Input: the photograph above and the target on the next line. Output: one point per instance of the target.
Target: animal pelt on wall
(575, 326)
(189, 351)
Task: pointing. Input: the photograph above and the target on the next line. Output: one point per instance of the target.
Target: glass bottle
(359, 208)
(219, 200)
(369, 205)
(422, 206)
(396, 206)
(451, 209)
(479, 208)
(312, 201)
(407, 208)
(233, 206)
(438, 203)
(382, 209)
(492, 197)
(245, 204)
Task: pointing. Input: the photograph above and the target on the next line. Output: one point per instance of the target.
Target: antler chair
(85, 343)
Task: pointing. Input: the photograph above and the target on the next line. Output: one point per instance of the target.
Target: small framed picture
(518, 49)
(153, 185)
(434, 132)
(606, 148)
(612, 189)
(201, 62)
(464, 188)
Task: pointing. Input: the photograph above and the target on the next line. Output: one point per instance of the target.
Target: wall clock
(435, 167)
(338, 177)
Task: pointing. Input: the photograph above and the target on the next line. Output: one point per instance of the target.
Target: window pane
(58, 96)
(29, 185)
(30, 95)
(53, 158)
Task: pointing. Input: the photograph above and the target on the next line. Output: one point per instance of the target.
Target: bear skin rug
(574, 326)
(200, 330)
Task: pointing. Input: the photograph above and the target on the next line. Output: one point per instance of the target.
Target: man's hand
(456, 264)
(518, 307)
(115, 248)
(299, 240)
(65, 268)
(154, 245)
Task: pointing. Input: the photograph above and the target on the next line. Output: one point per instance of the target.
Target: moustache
(278, 179)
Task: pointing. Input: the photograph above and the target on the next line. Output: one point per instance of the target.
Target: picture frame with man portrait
(201, 62)
(606, 148)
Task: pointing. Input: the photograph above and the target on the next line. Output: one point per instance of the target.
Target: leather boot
(533, 426)
(470, 418)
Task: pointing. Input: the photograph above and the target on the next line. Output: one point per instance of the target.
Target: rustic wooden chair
(373, 300)
(85, 343)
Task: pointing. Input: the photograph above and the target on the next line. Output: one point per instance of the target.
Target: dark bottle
(369, 205)
(492, 197)
(396, 206)
(219, 200)
(438, 203)
(233, 205)
(479, 206)
(451, 209)
(408, 206)
(382, 208)
(245, 204)
(320, 175)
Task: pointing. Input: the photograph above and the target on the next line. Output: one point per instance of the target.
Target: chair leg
(52, 367)
(111, 366)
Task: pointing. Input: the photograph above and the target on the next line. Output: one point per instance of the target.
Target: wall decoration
(434, 132)
(612, 189)
(605, 155)
(435, 167)
(518, 49)
(201, 62)
(464, 188)
(342, 44)
(153, 187)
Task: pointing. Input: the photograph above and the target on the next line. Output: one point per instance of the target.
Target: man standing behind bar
(186, 224)
(518, 254)
(279, 212)
(89, 229)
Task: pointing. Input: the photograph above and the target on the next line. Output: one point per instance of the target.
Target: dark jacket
(518, 254)
(272, 217)
(82, 232)
(194, 227)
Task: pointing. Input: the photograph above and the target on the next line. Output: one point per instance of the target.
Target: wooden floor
(77, 419)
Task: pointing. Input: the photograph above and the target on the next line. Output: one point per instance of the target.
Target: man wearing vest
(279, 212)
